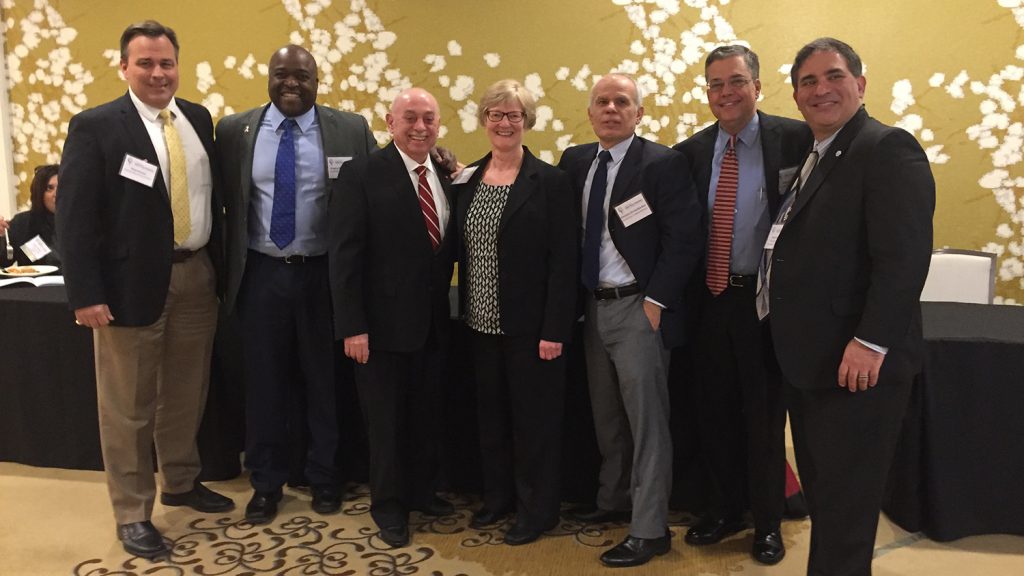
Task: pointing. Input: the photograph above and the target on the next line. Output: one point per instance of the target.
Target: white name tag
(633, 210)
(138, 170)
(35, 248)
(465, 175)
(769, 244)
(334, 164)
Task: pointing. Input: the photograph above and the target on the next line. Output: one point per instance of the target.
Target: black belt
(739, 281)
(179, 256)
(294, 258)
(620, 292)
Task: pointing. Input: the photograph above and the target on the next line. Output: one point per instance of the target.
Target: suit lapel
(141, 142)
(407, 214)
(247, 141)
(628, 171)
(523, 187)
(835, 154)
(771, 153)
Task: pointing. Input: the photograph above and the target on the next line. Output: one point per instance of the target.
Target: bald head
(615, 108)
(292, 80)
(413, 123)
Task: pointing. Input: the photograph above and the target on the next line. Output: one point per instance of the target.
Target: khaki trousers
(151, 385)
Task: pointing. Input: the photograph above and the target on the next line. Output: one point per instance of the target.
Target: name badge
(138, 170)
(35, 248)
(465, 175)
(769, 244)
(334, 164)
(633, 210)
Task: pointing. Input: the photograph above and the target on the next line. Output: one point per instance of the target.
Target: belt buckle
(294, 259)
(736, 280)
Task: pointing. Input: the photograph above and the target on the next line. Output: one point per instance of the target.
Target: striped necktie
(428, 207)
(722, 216)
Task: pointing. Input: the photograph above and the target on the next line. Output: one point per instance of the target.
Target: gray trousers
(627, 372)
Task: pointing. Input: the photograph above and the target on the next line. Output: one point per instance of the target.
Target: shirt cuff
(655, 302)
(880, 349)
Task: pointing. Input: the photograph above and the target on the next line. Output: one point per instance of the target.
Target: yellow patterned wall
(950, 72)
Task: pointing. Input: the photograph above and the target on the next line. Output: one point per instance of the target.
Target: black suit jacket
(662, 249)
(536, 250)
(116, 235)
(853, 256)
(24, 227)
(341, 133)
(386, 279)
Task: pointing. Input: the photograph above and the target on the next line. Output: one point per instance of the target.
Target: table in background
(959, 466)
(48, 391)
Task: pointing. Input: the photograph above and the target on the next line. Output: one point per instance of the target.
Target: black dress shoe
(595, 515)
(437, 506)
(768, 547)
(519, 535)
(713, 530)
(326, 499)
(142, 539)
(485, 517)
(395, 536)
(199, 498)
(262, 507)
(635, 551)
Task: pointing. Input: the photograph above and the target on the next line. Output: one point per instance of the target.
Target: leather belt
(739, 281)
(294, 258)
(620, 292)
(179, 256)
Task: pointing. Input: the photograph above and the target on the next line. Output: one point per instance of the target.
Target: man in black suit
(139, 228)
(742, 417)
(391, 257)
(280, 163)
(842, 297)
(641, 238)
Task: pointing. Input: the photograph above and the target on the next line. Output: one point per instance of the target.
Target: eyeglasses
(734, 83)
(514, 117)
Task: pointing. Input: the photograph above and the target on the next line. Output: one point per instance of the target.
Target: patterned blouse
(481, 231)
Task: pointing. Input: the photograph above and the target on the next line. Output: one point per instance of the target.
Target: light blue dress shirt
(752, 221)
(311, 193)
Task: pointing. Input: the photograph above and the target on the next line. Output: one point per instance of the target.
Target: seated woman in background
(36, 221)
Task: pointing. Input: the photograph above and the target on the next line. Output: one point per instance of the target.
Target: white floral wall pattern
(951, 76)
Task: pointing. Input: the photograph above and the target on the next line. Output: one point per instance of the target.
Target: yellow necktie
(179, 180)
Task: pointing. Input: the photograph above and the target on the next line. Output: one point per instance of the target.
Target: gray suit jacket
(342, 133)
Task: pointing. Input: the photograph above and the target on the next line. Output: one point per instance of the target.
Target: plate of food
(25, 271)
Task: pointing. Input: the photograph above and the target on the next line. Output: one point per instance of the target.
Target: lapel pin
(838, 152)
(246, 131)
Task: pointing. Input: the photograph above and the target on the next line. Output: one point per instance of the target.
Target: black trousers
(844, 445)
(288, 349)
(520, 402)
(742, 414)
(400, 393)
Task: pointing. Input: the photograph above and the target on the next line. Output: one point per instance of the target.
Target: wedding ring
(862, 377)
(77, 323)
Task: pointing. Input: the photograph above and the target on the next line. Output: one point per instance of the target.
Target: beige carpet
(59, 522)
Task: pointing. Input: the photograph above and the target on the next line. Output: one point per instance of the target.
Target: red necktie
(427, 205)
(720, 240)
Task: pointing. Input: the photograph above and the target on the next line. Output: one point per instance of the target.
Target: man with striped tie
(742, 166)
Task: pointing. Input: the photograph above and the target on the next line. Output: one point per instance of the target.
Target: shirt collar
(748, 134)
(618, 151)
(411, 164)
(304, 121)
(149, 112)
(822, 147)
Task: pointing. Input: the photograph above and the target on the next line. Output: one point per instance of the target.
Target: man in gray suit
(281, 163)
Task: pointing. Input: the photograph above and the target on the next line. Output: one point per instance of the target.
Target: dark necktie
(427, 206)
(595, 222)
(722, 216)
(282, 216)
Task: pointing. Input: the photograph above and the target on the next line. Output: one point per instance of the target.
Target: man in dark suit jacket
(277, 240)
(641, 240)
(139, 224)
(392, 253)
(844, 285)
(741, 413)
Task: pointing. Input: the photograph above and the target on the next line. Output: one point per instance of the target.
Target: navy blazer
(536, 250)
(117, 236)
(663, 249)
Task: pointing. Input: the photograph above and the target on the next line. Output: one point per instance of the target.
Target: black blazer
(386, 279)
(341, 134)
(663, 249)
(116, 236)
(853, 257)
(24, 227)
(536, 250)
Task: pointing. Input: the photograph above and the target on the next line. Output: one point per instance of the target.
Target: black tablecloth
(48, 390)
(959, 467)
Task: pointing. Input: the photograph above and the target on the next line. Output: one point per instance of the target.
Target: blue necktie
(282, 217)
(595, 222)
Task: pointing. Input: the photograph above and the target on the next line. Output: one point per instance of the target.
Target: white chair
(960, 276)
